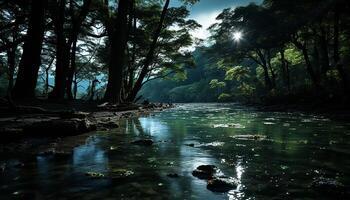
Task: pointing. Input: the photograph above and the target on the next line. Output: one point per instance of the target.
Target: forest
(174, 99)
(118, 46)
(286, 52)
(277, 51)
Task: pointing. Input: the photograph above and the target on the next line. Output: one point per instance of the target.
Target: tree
(66, 41)
(118, 43)
(31, 57)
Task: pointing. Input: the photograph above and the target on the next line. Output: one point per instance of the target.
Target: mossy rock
(120, 173)
(95, 175)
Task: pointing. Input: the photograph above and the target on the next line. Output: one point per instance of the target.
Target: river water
(272, 155)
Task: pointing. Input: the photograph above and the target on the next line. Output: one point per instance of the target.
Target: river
(271, 155)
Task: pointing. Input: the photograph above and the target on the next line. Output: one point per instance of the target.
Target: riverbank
(57, 127)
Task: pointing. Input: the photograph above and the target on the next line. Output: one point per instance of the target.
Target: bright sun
(237, 36)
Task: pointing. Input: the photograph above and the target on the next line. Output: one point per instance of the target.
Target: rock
(173, 175)
(221, 184)
(121, 173)
(204, 171)
(76, 115)
(328, 186)
(145, 102)
(3, 167)
(113, 148)
(109, 124)
(143, 142)
(60, 127)
(169, 163)
(190, 145)
(249, 137)
(55, 153)
(19, 165)
(95, 175)
(9, 134)
(25, 195)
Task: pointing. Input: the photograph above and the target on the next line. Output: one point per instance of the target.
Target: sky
(205, 12)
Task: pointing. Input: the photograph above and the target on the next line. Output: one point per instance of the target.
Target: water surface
(287, 153)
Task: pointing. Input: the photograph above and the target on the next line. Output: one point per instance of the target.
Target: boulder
(221, 184)
(204, 171)
(143, 142)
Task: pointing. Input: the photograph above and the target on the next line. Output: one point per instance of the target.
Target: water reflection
(238, 193)
(89, 158)
(272, 155)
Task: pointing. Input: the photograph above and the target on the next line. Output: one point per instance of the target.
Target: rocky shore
(51, 125)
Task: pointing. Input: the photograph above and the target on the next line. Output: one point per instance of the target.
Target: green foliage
(224, 97)
(215, 83)
(246, 90)
(294, 56)
(238, 73)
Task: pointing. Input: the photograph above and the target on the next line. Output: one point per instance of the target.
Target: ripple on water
(233, 138)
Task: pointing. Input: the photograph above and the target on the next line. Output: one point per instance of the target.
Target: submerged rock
(221, 184)
(55, 153)
(328, 186)
(173, 175)
(143, 142)
(190, 145)
(204, 171)
(95, 175)
(249, 137)
(120, 173)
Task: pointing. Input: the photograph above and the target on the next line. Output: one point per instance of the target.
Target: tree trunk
(47, 70)
(11, 61)
(117, 53)
(75, 86)
(92, 89)
(273, 75)
(71, 70)
(324, 52)
(263, 64)
(285, 70)
(149, 58)
(130, 72)
(309, 68)
(31, 57)
(65, 49)
(336, 55)
(62, 55)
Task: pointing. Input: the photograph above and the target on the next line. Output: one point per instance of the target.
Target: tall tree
(118, 43)
(66, 45)
(30, 62)
(150, 54)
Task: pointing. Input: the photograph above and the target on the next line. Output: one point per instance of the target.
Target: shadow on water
(272, 156)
